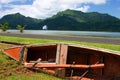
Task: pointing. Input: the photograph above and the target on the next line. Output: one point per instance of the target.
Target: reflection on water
(71, 33)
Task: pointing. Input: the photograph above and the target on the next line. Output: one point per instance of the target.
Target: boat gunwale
(39, 45)
(79, 46)
(105, 51)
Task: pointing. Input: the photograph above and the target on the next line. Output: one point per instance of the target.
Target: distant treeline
(66, 20)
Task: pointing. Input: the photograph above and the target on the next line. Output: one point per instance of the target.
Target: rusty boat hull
(68, 60)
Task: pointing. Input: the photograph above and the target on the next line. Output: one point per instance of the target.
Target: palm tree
(21, 28)
(4, 27)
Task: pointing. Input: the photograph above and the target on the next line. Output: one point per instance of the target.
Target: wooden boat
(67, 60)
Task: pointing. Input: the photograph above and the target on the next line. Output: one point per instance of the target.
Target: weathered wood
(53, 65)
(79, 54)
(58, 53)
(63, 54)
(61, 58)
(25, 54)
(38, 61)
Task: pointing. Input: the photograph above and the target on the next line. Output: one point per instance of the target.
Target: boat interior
(78, 55)
(73, 55)
(46, 53)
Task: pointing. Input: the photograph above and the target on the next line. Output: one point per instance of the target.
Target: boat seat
(51, 60)
(37, 61)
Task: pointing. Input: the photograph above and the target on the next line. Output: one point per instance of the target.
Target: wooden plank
(61, 58)
(25, 54)
(58, 53)
(53, 65)
(57, 71)
(63, 54)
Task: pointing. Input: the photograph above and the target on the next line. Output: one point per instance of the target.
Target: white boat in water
(44, 27)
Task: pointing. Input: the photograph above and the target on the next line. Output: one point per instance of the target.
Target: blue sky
(112, 7)
(46, 8)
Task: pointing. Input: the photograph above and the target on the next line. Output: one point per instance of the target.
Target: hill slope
(15, 19)
(67, 20)
(76, 20)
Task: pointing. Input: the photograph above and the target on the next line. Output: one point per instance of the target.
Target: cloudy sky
(46, 8)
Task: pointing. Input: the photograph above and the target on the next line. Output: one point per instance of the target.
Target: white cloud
(47, 8)
(5, 1)
(84, 1)
(9, 1)
(84, 8)
(0, 7)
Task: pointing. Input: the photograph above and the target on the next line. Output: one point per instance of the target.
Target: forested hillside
(67, 20)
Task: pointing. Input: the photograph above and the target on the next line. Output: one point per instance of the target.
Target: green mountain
(77, 20)
(18, 19)
(68, 20)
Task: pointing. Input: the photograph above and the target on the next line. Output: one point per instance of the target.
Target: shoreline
(67, 37)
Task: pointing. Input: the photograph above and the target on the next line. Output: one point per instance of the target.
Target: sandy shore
(70, 38)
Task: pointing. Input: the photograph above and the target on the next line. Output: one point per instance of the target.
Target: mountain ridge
(67, 20)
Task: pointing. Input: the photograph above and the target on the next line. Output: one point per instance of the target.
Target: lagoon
(68, 33)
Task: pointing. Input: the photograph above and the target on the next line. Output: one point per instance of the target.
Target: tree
(21, 28)
(4, 27)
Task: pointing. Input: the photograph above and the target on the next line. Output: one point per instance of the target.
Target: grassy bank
(13, 70)
(38, 41)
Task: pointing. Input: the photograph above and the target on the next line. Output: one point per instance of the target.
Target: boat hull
(66, 60)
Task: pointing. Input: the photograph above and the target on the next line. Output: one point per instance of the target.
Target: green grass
(13, 70)
(36, 76)
(38, 41)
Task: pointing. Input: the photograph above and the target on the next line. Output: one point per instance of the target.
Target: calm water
(71, 33)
